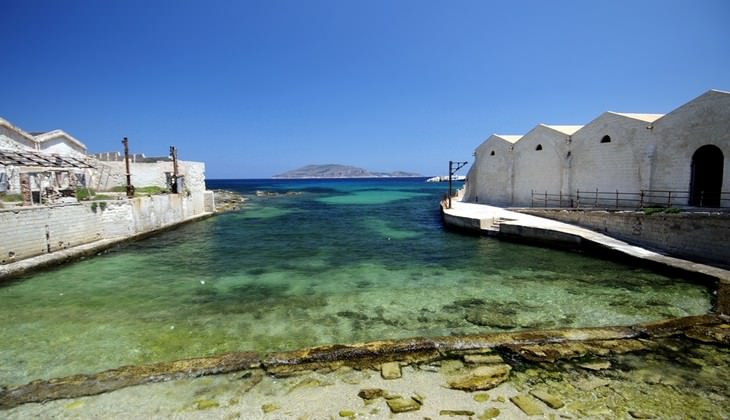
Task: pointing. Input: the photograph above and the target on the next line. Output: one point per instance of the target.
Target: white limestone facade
(493, 179)
(685, 153)
(541, 162)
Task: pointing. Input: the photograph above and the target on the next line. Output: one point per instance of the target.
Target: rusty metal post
(173, 155)
(130, 187)
(453, 167)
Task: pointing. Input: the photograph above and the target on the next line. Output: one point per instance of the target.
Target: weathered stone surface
(710, 334)
(110, 380)
(481, 397)
(402, 405)
(551, 400)
(481, 378)
(483, 359)
(638, 414)
(591, 384)
(268, 408)
(489, 413)
(456, 413)
(371, 393)
(206, 404)
(527, 405)
(543, 345)
(598, 365)
(551, 352)
(364, 355)
(390, 370)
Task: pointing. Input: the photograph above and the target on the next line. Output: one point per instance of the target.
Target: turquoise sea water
(323, 261)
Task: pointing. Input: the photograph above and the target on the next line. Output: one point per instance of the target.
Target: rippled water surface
(325, 261)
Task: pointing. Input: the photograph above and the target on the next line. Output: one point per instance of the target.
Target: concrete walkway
(497, 221)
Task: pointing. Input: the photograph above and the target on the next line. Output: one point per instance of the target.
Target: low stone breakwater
(486, 360)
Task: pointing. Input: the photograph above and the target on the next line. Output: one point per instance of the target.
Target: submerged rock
(268, 408)
(482, 397)
(371, 393)
(489, 413)
(455, 413)
(390, 370)
(552, 401)
(527, 405)
(481, 378)
(206, 404)
(402, 405)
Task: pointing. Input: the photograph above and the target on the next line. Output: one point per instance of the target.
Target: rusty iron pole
(453, 167)
(173, 155)
(130, 187)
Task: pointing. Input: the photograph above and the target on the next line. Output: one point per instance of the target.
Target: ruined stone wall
(30, 231)
(695, 236)
(145, 174)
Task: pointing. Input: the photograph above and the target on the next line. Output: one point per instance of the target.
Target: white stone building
(495, 176)
(54, 163)
(618, 159)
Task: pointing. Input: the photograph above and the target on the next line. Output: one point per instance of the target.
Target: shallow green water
(342, 261)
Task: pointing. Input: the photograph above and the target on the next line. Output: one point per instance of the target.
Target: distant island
(341, 171)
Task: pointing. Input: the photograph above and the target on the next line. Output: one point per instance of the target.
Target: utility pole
(130, 187)
(173, 155)
(453, 167)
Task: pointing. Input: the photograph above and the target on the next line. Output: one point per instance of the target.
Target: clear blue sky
(255, 88)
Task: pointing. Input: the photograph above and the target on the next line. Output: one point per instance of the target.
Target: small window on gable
(539, 147)
(606, 139)
(492, 154)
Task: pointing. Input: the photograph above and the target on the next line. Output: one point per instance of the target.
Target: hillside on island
(340, 171)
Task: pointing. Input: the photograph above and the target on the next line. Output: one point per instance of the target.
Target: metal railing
(631, 200)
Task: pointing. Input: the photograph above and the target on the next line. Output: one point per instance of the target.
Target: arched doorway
(706, 181)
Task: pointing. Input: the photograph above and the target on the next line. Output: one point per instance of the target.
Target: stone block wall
(697, 236)
(30, 231)
(27, 232)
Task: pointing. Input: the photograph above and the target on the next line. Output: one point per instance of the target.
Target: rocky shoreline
(226, 200)
(469, 364)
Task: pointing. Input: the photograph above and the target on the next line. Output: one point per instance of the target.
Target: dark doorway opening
(706, 181)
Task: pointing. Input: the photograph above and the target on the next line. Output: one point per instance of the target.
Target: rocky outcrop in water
(226, 200)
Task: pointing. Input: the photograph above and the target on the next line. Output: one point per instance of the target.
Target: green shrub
(148, 190)
(654, 210)
(11, 197)
(84, 194)
(103, 197)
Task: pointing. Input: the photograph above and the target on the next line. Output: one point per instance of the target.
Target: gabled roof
(565, 129)
(58, 133)
(650, 118)
(510, 138)
(7, 124)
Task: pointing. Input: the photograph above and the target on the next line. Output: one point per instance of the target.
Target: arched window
(492, 154)
(606, 139)
(539, 147)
